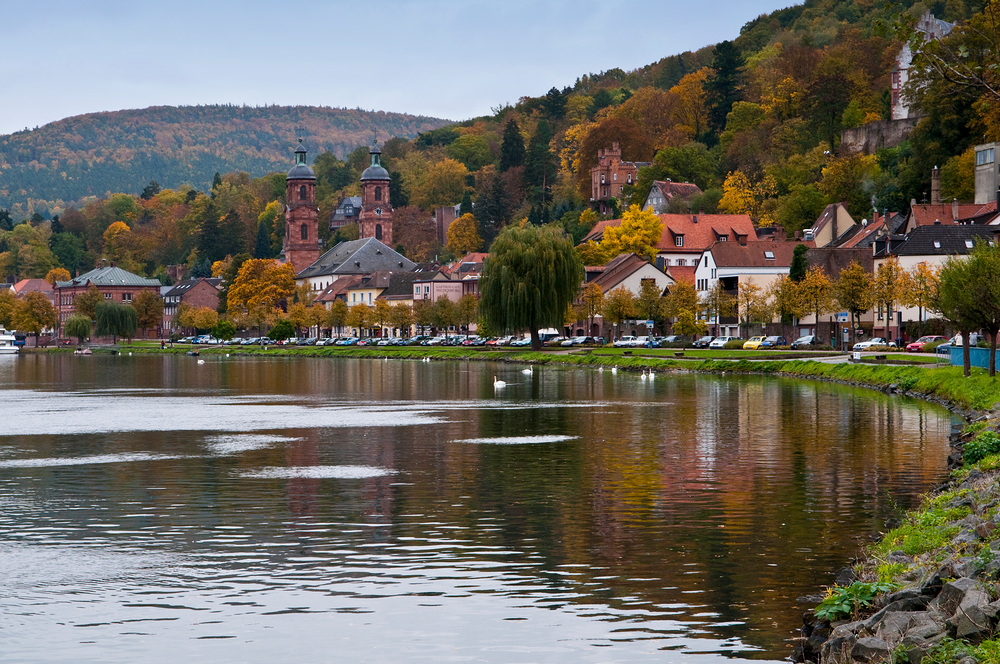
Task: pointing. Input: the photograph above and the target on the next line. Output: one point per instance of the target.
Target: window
(706, 262)
(126, 297)
(602, 178)
(937, 244)
(378, 193)
(427, 289)
(984, 157)
(678, 240)
(304, 231)
(724, 238)
(107, 296)
(302, 193)
(968, 244)
(615, 176)
(769, 255)
(348, 210)
(378, 232)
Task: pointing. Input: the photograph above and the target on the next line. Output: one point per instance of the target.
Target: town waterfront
(278, 509)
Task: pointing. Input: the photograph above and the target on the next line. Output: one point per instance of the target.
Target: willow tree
(116, 320)
(532, 276)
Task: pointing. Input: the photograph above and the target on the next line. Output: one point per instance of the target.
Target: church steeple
(301, 246)
(375, 219)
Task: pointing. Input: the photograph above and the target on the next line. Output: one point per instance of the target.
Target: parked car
(347, 341)
(702, 342)
(577, 341)
(870, 343)
(720, 342)
(772, 341)
(526, 341)
(805, 342)
(918, 345)
(673, 339)
(624, 342)
(753, 343)
(250, 341)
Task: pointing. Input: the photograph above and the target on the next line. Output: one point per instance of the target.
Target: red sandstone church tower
(375, 219)
(302, 243)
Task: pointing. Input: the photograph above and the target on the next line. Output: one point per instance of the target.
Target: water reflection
(274, 508)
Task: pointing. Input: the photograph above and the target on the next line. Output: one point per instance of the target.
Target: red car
(918, 345)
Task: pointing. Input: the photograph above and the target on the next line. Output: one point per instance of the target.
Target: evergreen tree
(797, 271)
(540, 171)
(201, 268)
(602, 99)
(231, 236)
(722, 89)
(216, 181)
(6, 223)
(150, 190)
(57, 226)
(512, 147)
(554, 103)
(397, 195)
(262, 248)
(209, 236)
(466, 207)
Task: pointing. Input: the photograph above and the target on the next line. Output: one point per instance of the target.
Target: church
(302, 245)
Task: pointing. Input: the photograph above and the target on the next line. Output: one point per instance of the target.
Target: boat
(8, 343)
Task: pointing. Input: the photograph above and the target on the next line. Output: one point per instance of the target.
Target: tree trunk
(536, 341)
(966, 353)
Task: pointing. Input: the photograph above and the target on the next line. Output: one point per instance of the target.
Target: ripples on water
(270, 510)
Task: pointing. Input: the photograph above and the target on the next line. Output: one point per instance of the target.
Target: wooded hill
(98, 154)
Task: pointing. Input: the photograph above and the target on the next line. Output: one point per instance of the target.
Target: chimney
(701, 210)
(954, 209)
(798, 235)
(935, 186)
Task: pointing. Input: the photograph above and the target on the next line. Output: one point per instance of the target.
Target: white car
(720, 342)
(874, 341)
(625, 342)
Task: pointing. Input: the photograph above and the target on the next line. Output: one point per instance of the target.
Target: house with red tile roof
(929, 214)
(834, 222)
(686, 236)
(25, 286)
(627, 271)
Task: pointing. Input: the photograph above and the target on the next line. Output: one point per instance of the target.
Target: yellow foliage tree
(742, 196)
(443, 184)
(463, 235)
(692, 107)
(639, 233)
(259, 289)
(57, 274)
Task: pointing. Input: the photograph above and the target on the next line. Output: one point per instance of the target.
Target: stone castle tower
(302, 244)
(375, 219)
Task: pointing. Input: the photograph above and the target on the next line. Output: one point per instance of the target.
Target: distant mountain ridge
(121, 151)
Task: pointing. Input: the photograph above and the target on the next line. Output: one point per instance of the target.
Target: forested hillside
(754, 121)
(103, 153)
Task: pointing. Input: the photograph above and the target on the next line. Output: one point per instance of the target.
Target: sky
(452, 59)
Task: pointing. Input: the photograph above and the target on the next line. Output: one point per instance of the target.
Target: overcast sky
(453, 59)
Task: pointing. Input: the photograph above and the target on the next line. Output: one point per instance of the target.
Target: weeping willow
(529, 281)
(116, 320)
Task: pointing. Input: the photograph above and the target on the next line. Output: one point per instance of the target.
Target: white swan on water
(526, 372)
(644, 376)
(201, 361)
(614, 369)
(497, 383)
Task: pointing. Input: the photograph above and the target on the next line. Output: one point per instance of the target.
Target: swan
(498, 383)
(651, 376)
(614, 369)
(201, 361)
(526, 372)
(644, 376)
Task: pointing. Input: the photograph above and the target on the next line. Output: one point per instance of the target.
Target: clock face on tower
(378, 211)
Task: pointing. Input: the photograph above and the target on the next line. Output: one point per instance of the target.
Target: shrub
(735, 344)
(841, 602)
(930, 347)
(982, 446)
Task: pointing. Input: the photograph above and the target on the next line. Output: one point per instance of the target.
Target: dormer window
(678, 240)
(769, 255)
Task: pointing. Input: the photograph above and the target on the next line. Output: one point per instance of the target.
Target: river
(156, 509)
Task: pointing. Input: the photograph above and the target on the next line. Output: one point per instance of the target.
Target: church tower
(302, 243)
(375, 219)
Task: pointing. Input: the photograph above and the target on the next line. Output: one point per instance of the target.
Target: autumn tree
(86, 303)
(743, 196)
(957, 299)
(889, 287)
(77, 326)
(381, 315)
(57, 274)
(463, 235)
(639, 232)
(532, 276)
(467, 311)
(402, 318)
(259, 289)
(921, 289)
(682, 297)
(786, 296)
(592, 301)
(148, 307)
(753, 304)
(443, 184)
(619, 306)
(336, 317)
(7, 303)
(816, 292)
(34, 313)
(854, 291)
(359, 316)
(718, 304)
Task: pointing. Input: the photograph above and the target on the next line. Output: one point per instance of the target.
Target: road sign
(649, 324)
(843, 317)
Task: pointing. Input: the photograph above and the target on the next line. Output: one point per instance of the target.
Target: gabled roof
(338, 288)
(618, 270)
(363, 256)
(182, 287)
(31, 285)
(672, 189)
(400, 286)
(700, 231)
(108, 276)
(682, 273)
(754, 254)
(373, 280)
(470, 265)
(943, 240)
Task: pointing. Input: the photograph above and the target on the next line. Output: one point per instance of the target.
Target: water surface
(281, 509)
